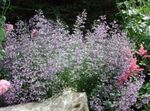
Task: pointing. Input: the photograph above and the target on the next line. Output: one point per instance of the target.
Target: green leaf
(2, 34)
(146, 107)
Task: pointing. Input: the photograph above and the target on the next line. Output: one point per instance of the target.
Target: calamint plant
(43, 58)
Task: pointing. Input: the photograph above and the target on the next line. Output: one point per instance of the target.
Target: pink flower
(4, 86)
(131, 71)
(9, 27)
(146, 56)
(33, 33)
(133, 67)
(124, 77)
(143, 52)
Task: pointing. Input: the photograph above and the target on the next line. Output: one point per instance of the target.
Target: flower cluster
(33, 57)
(132, 70)
(38, 51)
(130, 95)
(143, 52)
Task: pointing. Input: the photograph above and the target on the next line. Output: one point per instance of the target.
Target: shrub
(48, 58)
(135, 15)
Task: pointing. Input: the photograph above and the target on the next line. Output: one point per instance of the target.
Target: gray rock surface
(68, 101)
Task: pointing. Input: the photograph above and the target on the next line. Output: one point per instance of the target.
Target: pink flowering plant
(144, 61)
(132, 70)
(143, 52)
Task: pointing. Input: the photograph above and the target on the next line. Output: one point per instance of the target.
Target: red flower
(143, 52)
(131, 71)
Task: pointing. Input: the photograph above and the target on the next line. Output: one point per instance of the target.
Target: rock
(68, 101)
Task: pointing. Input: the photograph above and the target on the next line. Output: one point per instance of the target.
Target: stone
(67, 101)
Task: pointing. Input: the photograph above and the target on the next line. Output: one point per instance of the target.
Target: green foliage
(145, 94)
(3, 8)
(147, 107)
(97, 83)
(83, 79)
(2, 37)
(107, 92)
(2, 34)
(136, 19)
(145, 91)
(4, 73)
(2, 20)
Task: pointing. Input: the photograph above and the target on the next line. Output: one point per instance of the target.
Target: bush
(48, 58)
(135, 15)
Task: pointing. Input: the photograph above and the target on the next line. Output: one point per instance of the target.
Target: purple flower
(34, 63)
(130, 95)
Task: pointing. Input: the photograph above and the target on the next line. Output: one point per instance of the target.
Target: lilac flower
(96, 104)
(130, 95)
(34, 63)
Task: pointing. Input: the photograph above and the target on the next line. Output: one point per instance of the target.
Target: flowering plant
(144, 97)
(44, 60)
(132, 70)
